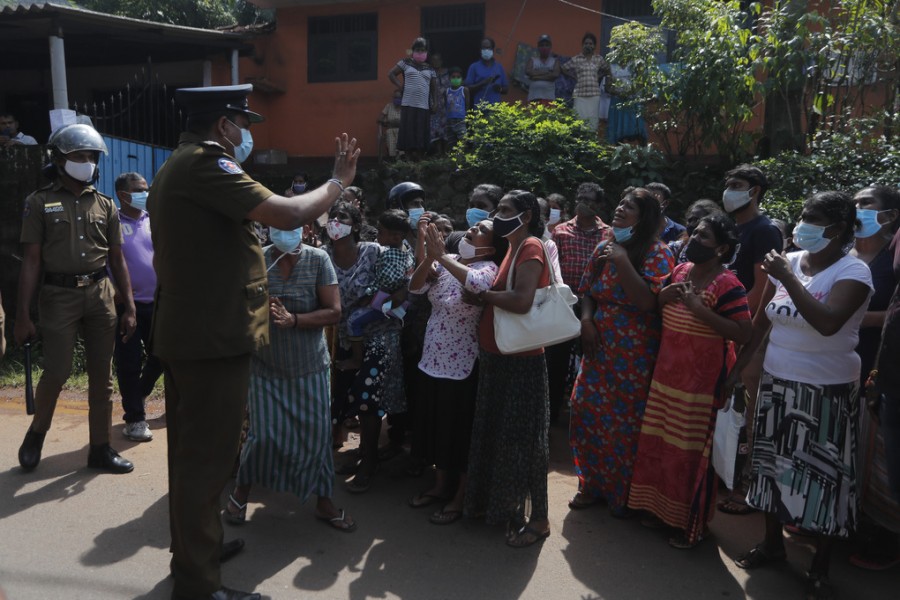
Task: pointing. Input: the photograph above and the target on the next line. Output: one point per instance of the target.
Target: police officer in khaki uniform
(71, 232)
(211, 311)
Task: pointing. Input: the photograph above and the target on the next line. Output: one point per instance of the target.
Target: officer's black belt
(74, 281)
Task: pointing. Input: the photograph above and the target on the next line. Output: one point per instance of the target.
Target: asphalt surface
(70, 532)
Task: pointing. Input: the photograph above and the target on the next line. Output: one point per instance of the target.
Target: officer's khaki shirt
(211, 296)
(75, 232)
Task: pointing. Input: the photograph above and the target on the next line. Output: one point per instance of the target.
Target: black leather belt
(74, 281)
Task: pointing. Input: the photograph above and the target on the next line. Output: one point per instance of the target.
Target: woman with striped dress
(288, 448)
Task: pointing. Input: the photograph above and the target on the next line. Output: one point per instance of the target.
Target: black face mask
(585, 209)
(504, 227)
(697, 252)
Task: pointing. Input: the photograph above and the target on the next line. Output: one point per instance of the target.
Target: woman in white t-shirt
(804, 471)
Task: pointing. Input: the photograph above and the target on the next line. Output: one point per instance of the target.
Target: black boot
(104, 457)
(30, 450)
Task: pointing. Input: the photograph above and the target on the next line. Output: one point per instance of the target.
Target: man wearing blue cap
(211, 311)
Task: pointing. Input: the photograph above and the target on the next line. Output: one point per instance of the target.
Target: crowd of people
(333, 322)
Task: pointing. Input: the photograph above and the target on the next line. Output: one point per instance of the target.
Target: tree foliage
(703, 99)
(833, 56)
(204, 14)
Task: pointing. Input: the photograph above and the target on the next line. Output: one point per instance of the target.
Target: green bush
(836, 161)
(539, 148)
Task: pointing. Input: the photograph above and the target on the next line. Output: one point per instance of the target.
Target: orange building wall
(304, 120)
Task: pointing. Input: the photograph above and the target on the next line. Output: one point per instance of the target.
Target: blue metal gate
(126, 155)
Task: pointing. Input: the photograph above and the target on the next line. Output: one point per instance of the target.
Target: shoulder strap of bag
(512, 266)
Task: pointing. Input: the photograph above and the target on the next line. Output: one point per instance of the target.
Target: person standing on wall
(205, 328)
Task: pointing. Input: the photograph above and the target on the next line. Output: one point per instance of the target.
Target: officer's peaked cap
(212, 99)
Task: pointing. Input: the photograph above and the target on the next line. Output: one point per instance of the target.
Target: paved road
(69, 532)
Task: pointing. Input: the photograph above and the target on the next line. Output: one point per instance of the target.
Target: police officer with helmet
(211, 311)
(71, 232)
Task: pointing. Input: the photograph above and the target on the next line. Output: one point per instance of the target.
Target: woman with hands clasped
(803, 457)
(704, 309)
(448, 366)
(620, 331)
(288, 447)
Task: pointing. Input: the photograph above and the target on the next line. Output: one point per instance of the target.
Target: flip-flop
(759, 557)
(238, 518)
(735, 507)
(521, 539)
(423, 500)
(360, 483)
(445, 517)
(340, 522)
(576, 504)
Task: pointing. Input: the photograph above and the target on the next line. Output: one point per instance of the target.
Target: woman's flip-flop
(340, 522)
(758, 556)
(445, 517)
(235, 518)
(527, 536)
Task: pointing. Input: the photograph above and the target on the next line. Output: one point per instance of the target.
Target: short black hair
(524, 200)
(589, 36)
(493, 192)
(754, 175)
(455, 70)
(724, 232)
(491, 40)
(592, 188)
(123, 180)
(837, 207)
(395, 220)
(201, 123)
(356, 191)
(302, 174)
(662, 188)
(419, 42)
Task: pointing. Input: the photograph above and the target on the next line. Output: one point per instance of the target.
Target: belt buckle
(83, 280)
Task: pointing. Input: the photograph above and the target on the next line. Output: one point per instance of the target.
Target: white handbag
(726, 444)
(550, 320)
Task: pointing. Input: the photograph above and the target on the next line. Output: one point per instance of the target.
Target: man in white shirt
(10, 134)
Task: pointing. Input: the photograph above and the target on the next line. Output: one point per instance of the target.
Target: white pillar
(234, 67)
(207, 73)
(58, 72)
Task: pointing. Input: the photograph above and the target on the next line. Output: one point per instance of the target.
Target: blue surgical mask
(810, 237)
(414, 215)
(298, 188)
(487, 53)
(623, 234)
(139, 200)
(868, 220)
(243, 150)
(475, 216)
(286, 241)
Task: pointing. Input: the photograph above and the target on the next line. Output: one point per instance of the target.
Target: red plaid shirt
(575, 249)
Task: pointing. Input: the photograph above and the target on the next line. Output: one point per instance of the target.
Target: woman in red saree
(704, 310)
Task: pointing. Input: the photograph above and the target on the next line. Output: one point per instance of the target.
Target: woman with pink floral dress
(449, 375)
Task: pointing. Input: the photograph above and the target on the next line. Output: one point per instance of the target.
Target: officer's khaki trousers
(205, 403)
(63, 312)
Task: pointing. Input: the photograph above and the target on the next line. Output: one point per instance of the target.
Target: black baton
(29, 391)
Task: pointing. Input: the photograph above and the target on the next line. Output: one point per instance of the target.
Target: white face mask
(337, 230)
(554, 216)
(467, 250)
(80, 172)
(735, 199)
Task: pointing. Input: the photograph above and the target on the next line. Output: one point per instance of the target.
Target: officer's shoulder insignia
(211, 144)
(229, 166)
(27, 210)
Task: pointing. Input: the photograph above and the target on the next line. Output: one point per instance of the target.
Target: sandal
(581, 501)
(759, 557)
(682, 542)
(445, 517)
(361, 483)
(527, 536)
(235, 518)
(732, 506)
(818, 587)
(340, 522)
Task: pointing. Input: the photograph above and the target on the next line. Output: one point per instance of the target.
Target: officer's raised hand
(345, 157)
